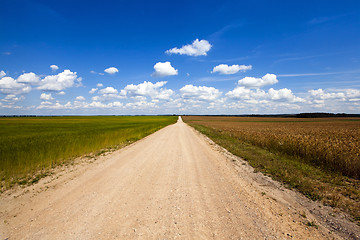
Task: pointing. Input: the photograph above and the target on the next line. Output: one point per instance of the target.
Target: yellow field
(333, 143)
(318, 157)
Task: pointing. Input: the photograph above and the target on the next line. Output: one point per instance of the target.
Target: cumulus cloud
(111, 70)
(56, 105)
(59, 82)
(141, 105)
(11, 98)
(46, 97)
(108, 90)
(30, 78)
(199, 93)
(93, 90)
(352, 93)
(106, 94)
(256, 95)
(163, 69)
(225, 69)
(283, 94)
(251, 82)
(321, 96)
(324, 95)
(99, 85)
(245, 93)
(80, 98)
(148, 89)
(61, 93)
(54, 67)
(8, 85)
(197, 48)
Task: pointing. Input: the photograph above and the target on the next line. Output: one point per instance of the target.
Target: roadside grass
(317, 183)
(29, 147)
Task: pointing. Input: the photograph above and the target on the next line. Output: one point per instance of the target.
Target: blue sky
(182, 57)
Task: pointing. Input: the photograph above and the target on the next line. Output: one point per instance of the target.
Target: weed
(312, 224)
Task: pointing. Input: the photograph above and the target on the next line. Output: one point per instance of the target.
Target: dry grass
(319, 157)
(330, 143)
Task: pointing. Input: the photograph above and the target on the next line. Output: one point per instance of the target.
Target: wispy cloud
(296, 58)
(315, 74)
(225, 29)
(319, 20)
(229, 60)
(217, 79)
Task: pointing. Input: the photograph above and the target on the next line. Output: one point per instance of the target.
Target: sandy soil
(173, 184)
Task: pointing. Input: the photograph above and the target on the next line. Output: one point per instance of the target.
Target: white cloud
(54, 67)
(199, 93)
(61, 93)
(106, 94)
(95, 98)
(283, 94)
(96, 104)
(117, 104)
(225, 69)
(99, 85)
(320, 96)
(59, 82)
(245, 93)
(258, 95)
(148, 89)
(143, 105)
(197, 48)
(251, 82)
(324, 95)
(93, 90)
(111, 70)
(163, 69)
(164, 94)
(8, 85)
(80, 98)
(30, 78)
(93, 72)
(11, 98)
(2, 73)
(108, 90)
(57, 105)
(46, 97)
(352, 93)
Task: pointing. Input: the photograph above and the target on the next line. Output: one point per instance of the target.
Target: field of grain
(330, 143)
(320, 157)
(31, 144)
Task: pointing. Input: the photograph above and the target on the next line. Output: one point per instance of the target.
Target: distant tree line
(299, 115)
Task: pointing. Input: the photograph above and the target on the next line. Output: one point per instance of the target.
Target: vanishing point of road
(173, 184)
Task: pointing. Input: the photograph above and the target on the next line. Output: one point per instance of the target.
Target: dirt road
(173, 184)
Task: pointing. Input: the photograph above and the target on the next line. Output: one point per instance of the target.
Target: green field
(29, 146)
